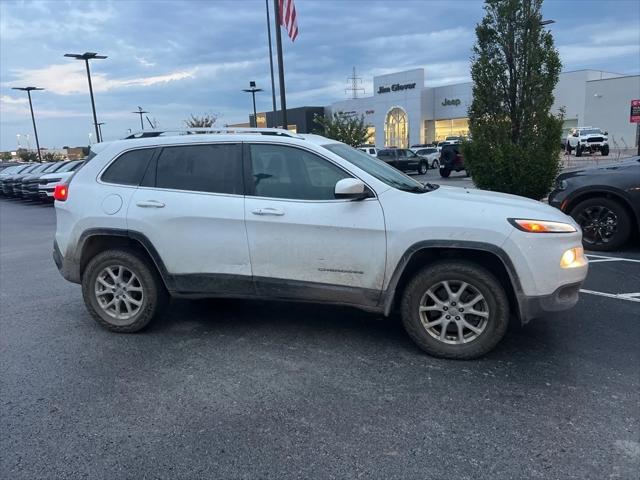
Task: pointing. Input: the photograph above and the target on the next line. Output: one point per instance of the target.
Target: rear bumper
(564, 298)
(69, 269)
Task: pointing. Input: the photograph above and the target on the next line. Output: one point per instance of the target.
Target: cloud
(70, 78)
(8, 100)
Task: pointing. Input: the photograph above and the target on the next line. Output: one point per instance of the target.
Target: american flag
(288, 18)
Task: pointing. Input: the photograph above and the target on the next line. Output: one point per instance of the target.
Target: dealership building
(403, 112)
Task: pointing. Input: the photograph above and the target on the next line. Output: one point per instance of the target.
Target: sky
(176, 58)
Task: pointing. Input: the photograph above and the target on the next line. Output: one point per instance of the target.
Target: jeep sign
(451, 101)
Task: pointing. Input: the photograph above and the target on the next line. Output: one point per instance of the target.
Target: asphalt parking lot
(236, 389)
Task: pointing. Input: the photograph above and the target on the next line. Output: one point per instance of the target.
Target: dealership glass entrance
(396, 128)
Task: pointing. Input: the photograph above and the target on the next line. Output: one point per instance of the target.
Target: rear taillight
(61, 192)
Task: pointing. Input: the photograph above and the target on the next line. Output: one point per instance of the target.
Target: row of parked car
(35, 181)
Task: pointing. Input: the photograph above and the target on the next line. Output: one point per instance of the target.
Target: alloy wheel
(119, 292)
(599, 224)
(454, 312)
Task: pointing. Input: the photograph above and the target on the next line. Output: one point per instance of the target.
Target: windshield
(591, 131)
(376, 168)
(9, 170)
(69, 166)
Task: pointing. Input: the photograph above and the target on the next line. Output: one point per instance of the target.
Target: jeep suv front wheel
(122, 291)
(455, 310)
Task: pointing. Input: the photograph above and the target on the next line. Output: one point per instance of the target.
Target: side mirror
(351, 188)
(575, 135)
(605, 133)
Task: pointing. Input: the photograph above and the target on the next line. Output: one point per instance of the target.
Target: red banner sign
(635, 111)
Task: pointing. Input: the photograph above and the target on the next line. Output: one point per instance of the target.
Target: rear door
(190, 207)
(304, 242)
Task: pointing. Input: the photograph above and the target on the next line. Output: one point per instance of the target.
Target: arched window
(396, 128)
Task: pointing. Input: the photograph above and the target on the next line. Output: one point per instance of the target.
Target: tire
(435, 164)
(605, 150)
(578, 151)
(152, 295)
(605, 223)
(494, 305)
(445, 172)
(423, 167)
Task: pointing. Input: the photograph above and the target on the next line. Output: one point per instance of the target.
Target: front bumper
(564, 298)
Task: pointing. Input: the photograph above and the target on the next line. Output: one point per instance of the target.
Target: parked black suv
(450, 160)
(404, 159)
(605, 201)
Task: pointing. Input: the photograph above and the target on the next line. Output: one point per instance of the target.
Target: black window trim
(248, 174)
(153, 164)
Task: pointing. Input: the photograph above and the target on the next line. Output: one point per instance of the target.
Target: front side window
(215, 168)
(129, 167)
(280, 171)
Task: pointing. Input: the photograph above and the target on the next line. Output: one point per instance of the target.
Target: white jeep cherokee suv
(271, 215)
(587, 139)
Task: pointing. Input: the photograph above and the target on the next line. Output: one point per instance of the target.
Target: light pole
(86, 57)
(33, 118)
(141, 112)
(100, 128)
(253, 89)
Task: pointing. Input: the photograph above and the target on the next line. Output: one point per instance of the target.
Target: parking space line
(631, 297)
(610, 259)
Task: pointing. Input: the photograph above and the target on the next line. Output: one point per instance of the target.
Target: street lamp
(100, 128)
(253, 89)
(546, 22)
(33, 118)
(86, 57)
(141, 112)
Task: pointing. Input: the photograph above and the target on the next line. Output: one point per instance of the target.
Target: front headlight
(572, 258)
(561, 185)
(541, 226)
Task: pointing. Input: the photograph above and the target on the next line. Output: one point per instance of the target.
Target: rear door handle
(150, 204)
(267, 211)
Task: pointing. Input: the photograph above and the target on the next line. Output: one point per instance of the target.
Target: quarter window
(287, 172)
(215, 168)
(129, 167)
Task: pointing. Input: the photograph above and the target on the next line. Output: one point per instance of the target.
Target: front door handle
(267, 211)
(150, 204)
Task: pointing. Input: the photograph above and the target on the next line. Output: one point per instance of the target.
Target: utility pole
(86, 57)
(355, 82)
(273, 83)
(33, 118)
(283, 96)
(141, 112)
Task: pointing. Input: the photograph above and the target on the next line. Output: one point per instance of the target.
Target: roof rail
(210, 130)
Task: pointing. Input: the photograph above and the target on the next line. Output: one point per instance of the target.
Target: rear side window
(213, 168)
(129, 167)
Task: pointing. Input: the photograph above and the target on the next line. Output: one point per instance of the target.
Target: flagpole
(273, 82)
(283, 97)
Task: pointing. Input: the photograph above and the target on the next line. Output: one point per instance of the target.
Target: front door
(305, 243)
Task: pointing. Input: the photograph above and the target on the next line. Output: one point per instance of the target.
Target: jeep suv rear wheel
(455, 310)
(122, 291)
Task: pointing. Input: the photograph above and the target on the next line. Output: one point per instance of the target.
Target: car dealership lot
(236, 389)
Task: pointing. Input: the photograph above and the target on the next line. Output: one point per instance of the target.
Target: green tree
(348, 129)
(52, 157)
(5, 156)
(28, 156)
(205, 121)
(515, 66)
